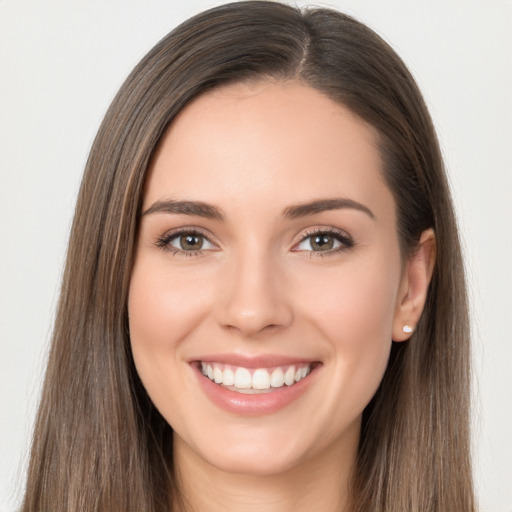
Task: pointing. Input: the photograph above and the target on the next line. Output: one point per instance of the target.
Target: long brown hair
(99, 443)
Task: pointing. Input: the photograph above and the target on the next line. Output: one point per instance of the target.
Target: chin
(257, 450)
(264, 463)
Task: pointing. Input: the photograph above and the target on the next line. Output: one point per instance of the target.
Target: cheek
(163, 306)
(163, 309)
(354, 312)
(353, 302)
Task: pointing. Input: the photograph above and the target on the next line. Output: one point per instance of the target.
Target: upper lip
(260, 361)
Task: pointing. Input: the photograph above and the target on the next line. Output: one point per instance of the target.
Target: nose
(254, 296)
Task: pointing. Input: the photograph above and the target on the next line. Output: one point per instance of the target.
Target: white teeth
(289, 376)
(277, 378)
(261, 379)
(229, 377)
(217, 374)
(242, 379)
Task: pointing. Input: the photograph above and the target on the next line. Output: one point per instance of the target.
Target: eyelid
(163, 241)
(345, 239)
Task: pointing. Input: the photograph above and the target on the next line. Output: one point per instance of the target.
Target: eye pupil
(322, 242)
(191, 242)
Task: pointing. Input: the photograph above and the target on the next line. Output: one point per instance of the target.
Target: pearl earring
(407, 329)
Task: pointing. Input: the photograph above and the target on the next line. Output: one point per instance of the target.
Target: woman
(263, 211)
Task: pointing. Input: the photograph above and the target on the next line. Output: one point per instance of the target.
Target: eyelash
(164, 242)
(345, 240)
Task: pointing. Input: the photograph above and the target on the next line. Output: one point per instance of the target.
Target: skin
(257, 287)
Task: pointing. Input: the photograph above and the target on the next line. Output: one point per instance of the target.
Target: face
(267, 278)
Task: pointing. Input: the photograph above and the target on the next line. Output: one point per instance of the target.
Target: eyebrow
(186, 208)
(321, 205)
(201, 209)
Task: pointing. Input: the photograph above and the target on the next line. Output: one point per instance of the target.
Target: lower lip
(254, 404)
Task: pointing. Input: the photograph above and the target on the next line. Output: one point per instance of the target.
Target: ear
(413, 289)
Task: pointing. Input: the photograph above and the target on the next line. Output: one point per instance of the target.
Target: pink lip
(263, 361)
(256, 404)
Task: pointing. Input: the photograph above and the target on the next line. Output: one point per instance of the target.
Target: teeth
(261, 379)
(277, 378)
(289, 376)
(229, 377)
(243, 379)
(217, 374)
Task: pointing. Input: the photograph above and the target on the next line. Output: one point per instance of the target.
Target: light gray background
(60, 65)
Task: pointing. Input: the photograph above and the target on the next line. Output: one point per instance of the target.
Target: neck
(318, 483)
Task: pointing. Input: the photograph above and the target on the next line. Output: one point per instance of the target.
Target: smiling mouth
(255, 380)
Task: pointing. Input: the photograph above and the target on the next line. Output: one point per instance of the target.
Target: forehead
(281, 141)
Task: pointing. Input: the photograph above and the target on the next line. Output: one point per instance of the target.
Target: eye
(326, 241)
(185, 241)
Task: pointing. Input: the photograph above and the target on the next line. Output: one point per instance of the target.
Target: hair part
(99, 443)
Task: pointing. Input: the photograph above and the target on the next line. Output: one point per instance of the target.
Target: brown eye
(328, 242)
(186, 242)
(191, 242)
(322, 242)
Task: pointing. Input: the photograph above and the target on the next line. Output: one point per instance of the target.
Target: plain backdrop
(61, 63)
